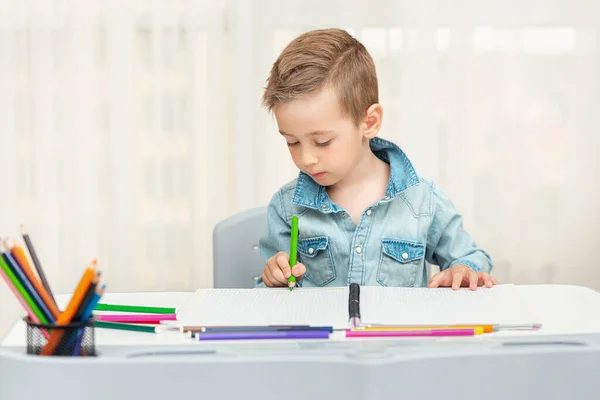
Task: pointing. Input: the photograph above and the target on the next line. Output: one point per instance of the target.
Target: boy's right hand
(277, 271)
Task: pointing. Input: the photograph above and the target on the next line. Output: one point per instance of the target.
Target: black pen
(354, 305)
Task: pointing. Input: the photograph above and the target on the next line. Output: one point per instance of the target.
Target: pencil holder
(75, 339)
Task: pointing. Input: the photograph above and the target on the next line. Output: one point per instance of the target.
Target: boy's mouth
(318, 174)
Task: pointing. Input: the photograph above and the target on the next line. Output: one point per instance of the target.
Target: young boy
(365, 215)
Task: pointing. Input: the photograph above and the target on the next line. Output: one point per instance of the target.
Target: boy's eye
(292, 144)
(324, 143)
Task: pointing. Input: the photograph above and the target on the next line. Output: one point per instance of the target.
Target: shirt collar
(310, 194)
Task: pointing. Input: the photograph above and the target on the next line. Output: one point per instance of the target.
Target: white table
(560, 361)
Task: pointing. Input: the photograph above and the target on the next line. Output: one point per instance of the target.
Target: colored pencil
(135, 309)
(18, 272)
(67, 315)
(137, 318)
(257, 329)
(87, 314)
(478, 329)
(293, 251)
(125, 327)
(78, 317)
(21, 258)
(411, 333)
(36, 262)
(263, 335)
(200, 328)
(21, 300)
(39, 317)
(487, 327)
(87, 299)
(92, 306)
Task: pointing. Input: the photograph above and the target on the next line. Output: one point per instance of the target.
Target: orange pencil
(66, 316)
(21, 258)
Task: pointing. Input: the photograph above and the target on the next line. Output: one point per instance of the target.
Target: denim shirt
(415, 222)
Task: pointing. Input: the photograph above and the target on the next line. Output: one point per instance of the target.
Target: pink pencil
(409, 333)
(139, 318)
(30, 313)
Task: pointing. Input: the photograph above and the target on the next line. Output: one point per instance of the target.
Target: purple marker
(263, 335)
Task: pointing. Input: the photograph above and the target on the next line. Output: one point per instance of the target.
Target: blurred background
(129, 128)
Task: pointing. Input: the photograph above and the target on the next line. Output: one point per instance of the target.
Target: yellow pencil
(479, 329)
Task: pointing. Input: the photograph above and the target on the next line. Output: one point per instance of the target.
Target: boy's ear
(372, 120)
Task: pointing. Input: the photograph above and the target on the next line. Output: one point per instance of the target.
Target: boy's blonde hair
(319, 58)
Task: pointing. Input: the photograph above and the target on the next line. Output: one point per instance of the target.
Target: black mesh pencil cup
(75, 339)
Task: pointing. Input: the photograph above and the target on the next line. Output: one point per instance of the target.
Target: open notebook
(378, 305)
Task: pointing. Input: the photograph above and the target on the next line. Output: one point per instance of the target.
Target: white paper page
(561, 309)
(214, 307)
(414, 306)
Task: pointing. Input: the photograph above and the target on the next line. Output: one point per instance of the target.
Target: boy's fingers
(275, 276)
(473, 279)
(283, 263)
(436, 280)
(457, 277)
(278, 277)
(275, 273)
(495, 281)
(487, 280)
(282, 259)
(299, 270)
(267, 278)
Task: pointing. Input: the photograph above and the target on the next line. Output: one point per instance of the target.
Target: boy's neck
(368, 169)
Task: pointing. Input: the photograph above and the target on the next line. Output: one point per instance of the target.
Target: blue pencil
(16, 269)
(87, 314)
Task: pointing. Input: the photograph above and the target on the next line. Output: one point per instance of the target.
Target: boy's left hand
(461, 275)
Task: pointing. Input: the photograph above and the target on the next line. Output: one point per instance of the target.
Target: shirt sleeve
(276, 237)
(448, 244)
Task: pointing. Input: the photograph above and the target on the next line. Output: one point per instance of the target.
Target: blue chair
(236, 260)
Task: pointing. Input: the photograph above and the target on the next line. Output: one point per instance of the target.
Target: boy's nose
(309, 158)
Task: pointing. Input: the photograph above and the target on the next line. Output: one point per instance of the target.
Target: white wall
(128, 129)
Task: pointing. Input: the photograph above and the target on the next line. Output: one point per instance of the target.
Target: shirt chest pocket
(315, 254)
(401, 262)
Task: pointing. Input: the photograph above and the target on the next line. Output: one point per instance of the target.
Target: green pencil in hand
(293, 251)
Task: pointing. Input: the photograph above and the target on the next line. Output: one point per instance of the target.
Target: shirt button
(324, 207)
(369, 211)
(386, 198)
(404, 256)
(358, 250)
(344, 215)
(311, 250)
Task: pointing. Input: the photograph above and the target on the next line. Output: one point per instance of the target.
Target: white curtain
(129, 128)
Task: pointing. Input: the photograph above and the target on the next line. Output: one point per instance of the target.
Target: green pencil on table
(293, 251)
(139, 309)
(125, 327)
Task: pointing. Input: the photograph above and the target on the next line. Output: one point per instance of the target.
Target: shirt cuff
(466, 263)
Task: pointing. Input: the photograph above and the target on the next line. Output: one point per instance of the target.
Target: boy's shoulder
(282, 200)
(286, 191)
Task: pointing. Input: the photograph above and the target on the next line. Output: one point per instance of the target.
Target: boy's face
(324, 142)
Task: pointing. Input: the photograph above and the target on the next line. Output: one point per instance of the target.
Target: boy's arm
(276, 237)
(447, 242)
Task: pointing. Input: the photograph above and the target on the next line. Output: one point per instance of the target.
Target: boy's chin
(325, 180)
